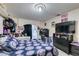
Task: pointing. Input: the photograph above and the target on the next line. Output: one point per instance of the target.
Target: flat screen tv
(65, 27)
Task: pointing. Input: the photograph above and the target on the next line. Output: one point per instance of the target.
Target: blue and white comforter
(30, 48)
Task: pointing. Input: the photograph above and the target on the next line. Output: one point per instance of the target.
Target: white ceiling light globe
(39, 7)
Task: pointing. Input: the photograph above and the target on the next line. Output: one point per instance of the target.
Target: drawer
(75, 47)
(75, 52)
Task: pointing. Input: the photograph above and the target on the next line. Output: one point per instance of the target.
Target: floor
(61, 53)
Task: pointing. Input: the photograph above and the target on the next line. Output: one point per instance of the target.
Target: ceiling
(27, 11)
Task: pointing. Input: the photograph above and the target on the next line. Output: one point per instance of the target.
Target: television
(65, 27)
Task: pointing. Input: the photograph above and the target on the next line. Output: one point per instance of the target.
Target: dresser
(75, 48)
(62, 42)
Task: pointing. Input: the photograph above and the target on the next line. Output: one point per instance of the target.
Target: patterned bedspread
(33, 48)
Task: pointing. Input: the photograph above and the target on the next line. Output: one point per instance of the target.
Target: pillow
(15, 40)
(3, 39)
(13, 44)
(22, 41)
(5, 47)
(10, 44)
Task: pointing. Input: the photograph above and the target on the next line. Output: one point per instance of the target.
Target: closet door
(34, 32)
(28, 30)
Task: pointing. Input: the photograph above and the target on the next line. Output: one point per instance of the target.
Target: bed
(33, 47)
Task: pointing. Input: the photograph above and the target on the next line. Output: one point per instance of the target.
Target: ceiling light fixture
(40, 7)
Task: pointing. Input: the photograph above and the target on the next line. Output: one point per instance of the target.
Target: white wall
(72, 16)
(52, 28)
(21, 22)
(3, 10)
(1, 25)
(33, 22)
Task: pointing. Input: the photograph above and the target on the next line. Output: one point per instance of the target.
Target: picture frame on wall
(45, 24)
(64, 17)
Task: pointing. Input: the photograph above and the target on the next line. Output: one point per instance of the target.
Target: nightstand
(75, 48)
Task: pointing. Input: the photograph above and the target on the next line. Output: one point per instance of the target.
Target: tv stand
(62, 41)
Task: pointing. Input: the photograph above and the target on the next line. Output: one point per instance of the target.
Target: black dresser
(75, 48)
(62, 42)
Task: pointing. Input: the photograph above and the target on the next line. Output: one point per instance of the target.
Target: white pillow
(13, 44)
(3, 54)
(3, 39)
